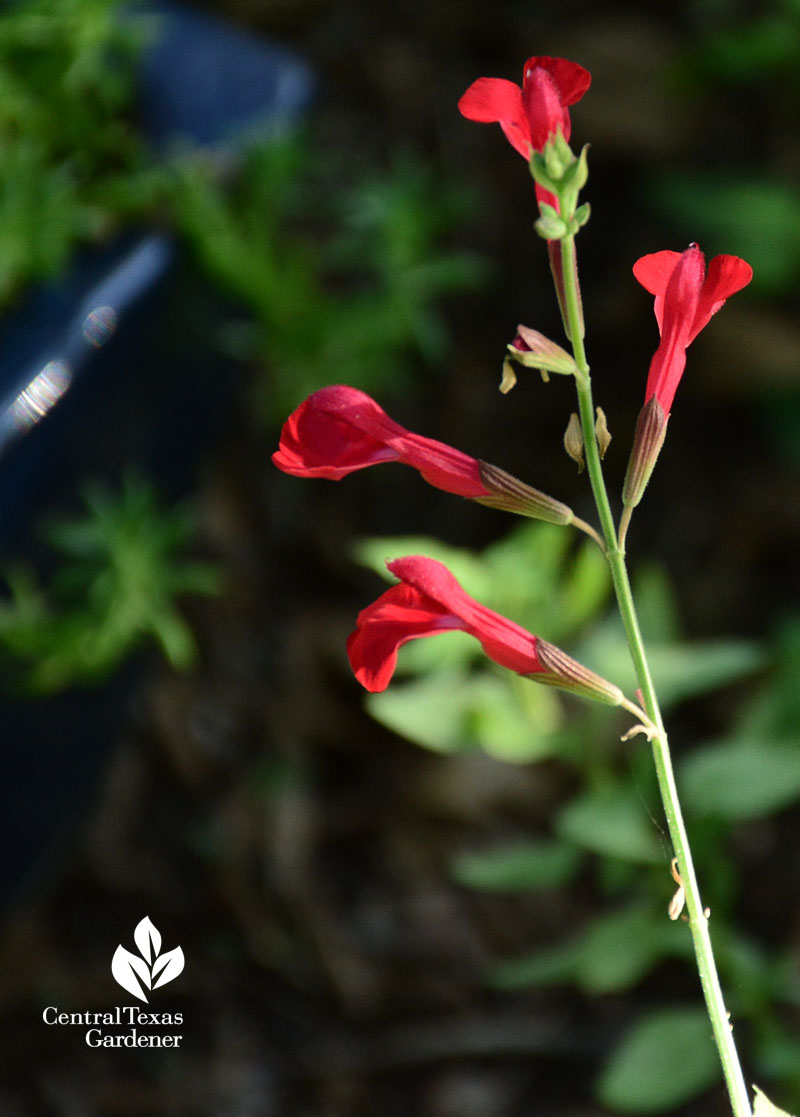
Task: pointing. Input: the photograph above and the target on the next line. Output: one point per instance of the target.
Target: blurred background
(450, 899)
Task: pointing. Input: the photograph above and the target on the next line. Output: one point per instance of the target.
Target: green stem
(615, 554)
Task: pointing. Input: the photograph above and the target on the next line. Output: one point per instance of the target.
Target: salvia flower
(428, 600)
(339, 430)
(686, 297)
(531, 114)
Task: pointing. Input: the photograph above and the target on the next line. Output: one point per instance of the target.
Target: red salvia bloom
(429, 600)
(531, 114)
(338, 430)
(686, 298)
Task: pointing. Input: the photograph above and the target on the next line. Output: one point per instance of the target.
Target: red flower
(686, 298)
(530, 115)
(338, 430)
(429, 600)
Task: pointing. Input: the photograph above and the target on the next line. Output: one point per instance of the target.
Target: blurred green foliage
(338, 271)
(342, 284)
(121, 574)
(752, 57)
(449, 698)
(71, 162)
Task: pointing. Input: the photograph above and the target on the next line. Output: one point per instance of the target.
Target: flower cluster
(340, 429)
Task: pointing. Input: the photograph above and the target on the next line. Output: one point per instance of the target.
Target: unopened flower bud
(550, 225)
(602, 433)
(651, 429)
(566, 673)
(573, 440)
(512, 495)
(534, 350)
(558, 157)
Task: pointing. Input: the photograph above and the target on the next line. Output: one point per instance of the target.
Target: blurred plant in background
(351, 278)
(119, 578)
(72, 164)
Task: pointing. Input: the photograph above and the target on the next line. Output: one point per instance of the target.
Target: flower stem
(615, 554)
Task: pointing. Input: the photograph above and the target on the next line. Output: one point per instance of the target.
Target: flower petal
(545, 110)
(505, 642)
(335, 431)
(726, 276)
(570, 79)
(339, 429)
(400, 614)
(496, 100)
(427, 601)
(549, 85)
(654, 272)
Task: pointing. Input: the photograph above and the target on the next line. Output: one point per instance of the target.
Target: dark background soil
(296, 851)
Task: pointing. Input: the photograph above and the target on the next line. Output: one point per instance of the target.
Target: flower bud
(550, 226)
(534, 350)
(573, 440)
(651, 429)
(558, 157)
(602, 433)
(566, 673)
(512, 495)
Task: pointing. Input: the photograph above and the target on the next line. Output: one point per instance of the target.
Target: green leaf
(664, 1060)
(618, 949)
(742, 779)
(452, 711)
(430, 711)
(514, 719)
(519, 867)
(764, 1108)
(680, 670)
(612, 821)
(612, 952)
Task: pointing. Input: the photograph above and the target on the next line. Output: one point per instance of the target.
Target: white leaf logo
(133, 972)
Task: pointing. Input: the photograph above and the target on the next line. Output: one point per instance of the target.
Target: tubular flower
(686, 297)
(338, 430)
(531, 114)
(428, 600)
